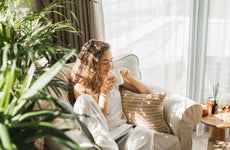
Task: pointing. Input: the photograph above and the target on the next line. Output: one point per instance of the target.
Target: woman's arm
(100, 98)
(107, 86)
(132, 83)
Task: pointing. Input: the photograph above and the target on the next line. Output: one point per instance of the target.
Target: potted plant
(24, 39)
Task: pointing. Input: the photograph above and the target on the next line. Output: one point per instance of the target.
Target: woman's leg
(138, 138)
(97, 125)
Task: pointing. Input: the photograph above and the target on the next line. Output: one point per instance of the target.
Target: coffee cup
(118, 76)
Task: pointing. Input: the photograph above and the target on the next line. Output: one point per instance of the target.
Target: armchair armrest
(181, 114)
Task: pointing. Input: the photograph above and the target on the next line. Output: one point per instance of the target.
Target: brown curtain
(85, 12)
(97, 21)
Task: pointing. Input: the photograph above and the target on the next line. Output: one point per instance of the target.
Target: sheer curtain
(218, 51)
(160, 33)
(215, 58)
(183, 45)
(157, 32)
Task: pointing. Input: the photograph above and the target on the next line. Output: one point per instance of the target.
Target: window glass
(157, 32)
(218, 50)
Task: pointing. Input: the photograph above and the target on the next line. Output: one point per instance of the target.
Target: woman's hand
(108, 84)
(125, 73)
(132, 83)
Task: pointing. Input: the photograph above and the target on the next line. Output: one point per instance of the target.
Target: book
(120, 131)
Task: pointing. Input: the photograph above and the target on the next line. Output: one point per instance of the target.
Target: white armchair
(181, 114)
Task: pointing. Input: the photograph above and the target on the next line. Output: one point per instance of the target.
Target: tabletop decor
(212, 101)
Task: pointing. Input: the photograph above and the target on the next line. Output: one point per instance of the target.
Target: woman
(96, 94)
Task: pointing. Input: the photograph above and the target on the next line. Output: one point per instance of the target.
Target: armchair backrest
(129, 61)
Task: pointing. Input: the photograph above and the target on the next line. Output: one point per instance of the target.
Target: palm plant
(30, 35)
(24, 39)
(17, 101)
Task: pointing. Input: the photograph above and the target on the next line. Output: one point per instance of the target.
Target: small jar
(204, 110)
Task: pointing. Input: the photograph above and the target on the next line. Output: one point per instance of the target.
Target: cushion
(129, 61)
(145, 109)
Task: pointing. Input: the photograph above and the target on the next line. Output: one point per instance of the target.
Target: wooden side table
(217, 126)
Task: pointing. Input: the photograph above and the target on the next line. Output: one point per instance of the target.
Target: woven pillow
(145, 109)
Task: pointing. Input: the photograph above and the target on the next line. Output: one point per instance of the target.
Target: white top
(115, 116)
(116, 119)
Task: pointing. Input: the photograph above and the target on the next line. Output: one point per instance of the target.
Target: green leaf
(10, 77)
(40, 83)
(4, 65)
(67, 143)
(23, 40)
(38, 113)
(45, 129)
(5, 137)
(47, 76)
(28, 79)
(67, 108)
(1, 115)
(215, 89)
(56, 85)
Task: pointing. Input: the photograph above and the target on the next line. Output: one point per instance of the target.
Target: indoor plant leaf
(40, 83)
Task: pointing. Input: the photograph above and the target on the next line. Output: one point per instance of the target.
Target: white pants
(138, 138)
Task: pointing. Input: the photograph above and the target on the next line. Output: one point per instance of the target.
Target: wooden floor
(201, 143)
(219, 145)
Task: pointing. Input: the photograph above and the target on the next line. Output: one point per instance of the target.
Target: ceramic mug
(119, 78)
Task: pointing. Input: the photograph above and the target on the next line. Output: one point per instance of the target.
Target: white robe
(107, 131)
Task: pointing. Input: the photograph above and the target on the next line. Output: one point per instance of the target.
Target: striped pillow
(145, 109)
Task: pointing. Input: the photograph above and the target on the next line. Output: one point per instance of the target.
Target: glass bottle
(214, 107)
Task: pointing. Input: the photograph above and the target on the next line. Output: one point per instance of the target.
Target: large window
(160, 32)
(157, 32)
(218, 50)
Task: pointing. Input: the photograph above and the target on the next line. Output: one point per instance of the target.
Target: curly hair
(86, 67)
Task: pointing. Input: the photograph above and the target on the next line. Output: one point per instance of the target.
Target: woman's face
(105, 63)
